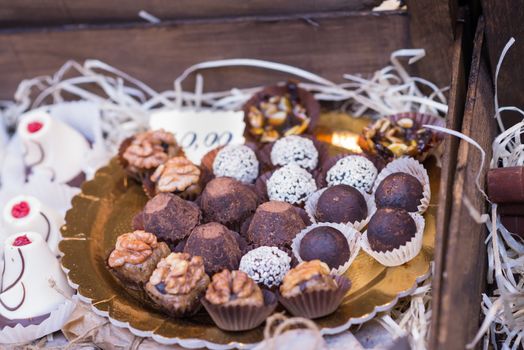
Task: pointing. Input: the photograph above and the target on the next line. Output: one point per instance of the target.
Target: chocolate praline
(227, 201)
(217, 245)
(341, 204)
(170, 217)
(390, 229)
(274, 224)
(326, 244)
(399, 190)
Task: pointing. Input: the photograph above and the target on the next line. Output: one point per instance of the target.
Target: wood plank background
(30, 12)
(505, 19)
(333, 44)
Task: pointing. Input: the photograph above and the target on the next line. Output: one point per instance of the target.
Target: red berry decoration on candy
(34, 127)
(21, 241)
(20, 210)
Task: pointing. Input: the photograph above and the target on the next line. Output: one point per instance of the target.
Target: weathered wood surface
(335, 43)
(457, 97)
(504, 19)
(463, 269)
(30, 12)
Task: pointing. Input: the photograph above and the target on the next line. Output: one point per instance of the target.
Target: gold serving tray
(104, 210)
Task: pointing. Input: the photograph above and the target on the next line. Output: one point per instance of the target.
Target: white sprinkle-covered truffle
(295, 149)
(266, 265)
(238, 162)
(290, 184)
(356, 171)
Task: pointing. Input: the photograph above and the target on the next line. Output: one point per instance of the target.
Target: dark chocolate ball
(399, 190)
(341, 204)
(227, 201)
(274, 224)
(170, 217)
(326, 244)
(217, 245)
(390, 228)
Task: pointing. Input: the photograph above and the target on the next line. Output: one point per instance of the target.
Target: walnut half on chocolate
(135, 256)
(234, 288)
(176, 175)
(307, 276)
(178, 283)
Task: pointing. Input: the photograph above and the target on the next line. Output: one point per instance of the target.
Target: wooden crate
(329, 38)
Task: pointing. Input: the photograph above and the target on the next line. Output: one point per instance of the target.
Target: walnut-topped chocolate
(149, 149)
(234, 288)
(306, 277)
(176, 175)
(178, 272)
(133, 248)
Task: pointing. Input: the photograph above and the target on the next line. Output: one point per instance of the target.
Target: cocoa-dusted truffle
(217, 245)
(170, 217)
(399, 190)
(274, 224)
(341, 204)
(390, 229)
(326, 244)
(227, 201)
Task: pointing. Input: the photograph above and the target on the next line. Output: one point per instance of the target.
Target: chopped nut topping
(304, 272)
(177, 174)
(233, 286)
(133, 248)
(150, 149)
(180, 272)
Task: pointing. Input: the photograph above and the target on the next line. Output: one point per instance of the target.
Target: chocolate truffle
(326, 244)
(390, 229)
(217, 245)
(341, 204)
(291, 184)
(238, 162)
(227, 201)
(295, 149)
(266, 265)
(354, 170)
(274, 224)
(170, 217)
(399, 190)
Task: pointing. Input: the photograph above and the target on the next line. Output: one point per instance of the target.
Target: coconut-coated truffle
(266, 265)
(290, 184)
(390, 229)
(170, 217)
(237, 161)
(274, 224)
(227, 201)
(295, 149)
(341, 204)
(326, 244)
(399, 190)
(353, 170)
(217, 245)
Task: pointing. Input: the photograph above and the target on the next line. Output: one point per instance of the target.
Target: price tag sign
(198, 132)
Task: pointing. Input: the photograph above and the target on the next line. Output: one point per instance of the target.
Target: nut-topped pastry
(148, 150)
(135, 256)
(235, 302)
(177, 175)
(306, 277)
(310, 291)
(234, 288)
(177, 284)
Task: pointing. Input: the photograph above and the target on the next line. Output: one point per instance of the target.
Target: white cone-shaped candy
(25, 284)
(27, 214)
(52, 146)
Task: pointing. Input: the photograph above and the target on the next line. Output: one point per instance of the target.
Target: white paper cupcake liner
(352, 235)
(311, 209)
(412, 167)
(404, 253)
(55, 321)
